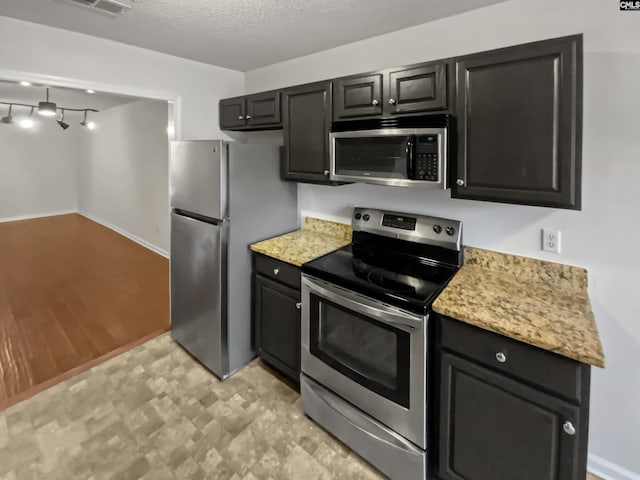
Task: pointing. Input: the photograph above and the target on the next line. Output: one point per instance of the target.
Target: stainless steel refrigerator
(224, 196)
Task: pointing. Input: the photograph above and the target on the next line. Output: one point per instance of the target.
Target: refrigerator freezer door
(198, 177)
(198, 290)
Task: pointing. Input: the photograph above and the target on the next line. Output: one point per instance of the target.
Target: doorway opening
(84, 231)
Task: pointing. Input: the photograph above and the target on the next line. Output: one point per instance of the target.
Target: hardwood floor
(72, 293)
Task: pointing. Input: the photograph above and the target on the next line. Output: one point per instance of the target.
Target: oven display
(395, 221)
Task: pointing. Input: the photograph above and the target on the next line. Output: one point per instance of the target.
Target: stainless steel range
(365, 335)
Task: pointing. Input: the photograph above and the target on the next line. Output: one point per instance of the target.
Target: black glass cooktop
(406, 281)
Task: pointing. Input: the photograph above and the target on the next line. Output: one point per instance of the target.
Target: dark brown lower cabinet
(277, 325)
(495, 426)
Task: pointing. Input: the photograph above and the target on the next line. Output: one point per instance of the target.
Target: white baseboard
(124, 233)
(36, 215)
(608, 470)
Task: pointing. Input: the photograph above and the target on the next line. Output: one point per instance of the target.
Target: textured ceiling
(241, 34)
(63, 97)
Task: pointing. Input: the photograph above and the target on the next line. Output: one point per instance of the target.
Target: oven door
(371, 354)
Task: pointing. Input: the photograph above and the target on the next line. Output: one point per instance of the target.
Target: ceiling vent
(111, 7)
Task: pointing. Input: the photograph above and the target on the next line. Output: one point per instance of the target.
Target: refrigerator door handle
(200, 218)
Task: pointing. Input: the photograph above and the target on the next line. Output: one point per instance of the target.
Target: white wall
(601, 237)
(123, 171)
(37, 170)
(40, 53)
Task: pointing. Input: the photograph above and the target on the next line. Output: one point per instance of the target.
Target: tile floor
(154, 413)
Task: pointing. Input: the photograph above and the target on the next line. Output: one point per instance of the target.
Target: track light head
(47, 108)
(8, 119)
(28, 122)
(64, 125)
(85, 124)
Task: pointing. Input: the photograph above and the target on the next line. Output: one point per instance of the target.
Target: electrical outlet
(551, 240)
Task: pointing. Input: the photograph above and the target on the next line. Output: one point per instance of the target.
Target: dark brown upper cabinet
(417, 89)
(253, 112)
(232, 113)
(263, 109)
(306, 116)
(358, 96)
(519, 114)
(400, 91)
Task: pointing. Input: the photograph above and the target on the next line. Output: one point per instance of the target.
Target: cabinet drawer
(549, 371)
(277, 270)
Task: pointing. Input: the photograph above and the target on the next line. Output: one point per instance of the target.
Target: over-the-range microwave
(405, 152)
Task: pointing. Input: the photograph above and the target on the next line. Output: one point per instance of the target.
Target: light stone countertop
(317, 238)
(541, 303)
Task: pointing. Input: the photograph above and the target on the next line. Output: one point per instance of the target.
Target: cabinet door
(492, 427)
(232, 113)
(519, 113)
(277, 325)
(306, 119)
(418, 89)
(263, 109)
(357, 97)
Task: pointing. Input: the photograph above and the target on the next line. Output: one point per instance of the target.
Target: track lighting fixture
(28, 122)
(24, 83)
(61, 122)
(84, 123)
(47, 108)
(8, 118)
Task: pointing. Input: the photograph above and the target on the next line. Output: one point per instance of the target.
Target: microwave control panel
(427, 158)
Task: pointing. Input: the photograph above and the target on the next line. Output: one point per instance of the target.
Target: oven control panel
(399, 221)
(442, 232)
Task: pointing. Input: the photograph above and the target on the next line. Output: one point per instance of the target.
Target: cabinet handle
(249, 117)
(392, 101)
(501, 357)
(326, 173)
(276, 271)
(460, 182)
(375, 102)
(240, 117)
(299, 305)
(568, 428)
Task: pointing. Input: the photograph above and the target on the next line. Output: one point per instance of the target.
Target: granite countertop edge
(517, 309)
(316, 239)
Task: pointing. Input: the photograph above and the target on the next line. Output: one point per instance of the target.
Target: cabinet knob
(460, 182)
(276, 271)
(375, 102)
(392, 101)
(501, 357)
(299, 305)
(240, 117)
(249, 117)
(568, 428)
(326, 173)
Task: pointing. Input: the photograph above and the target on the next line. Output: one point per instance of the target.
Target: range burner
(338, 265)
(398, 283)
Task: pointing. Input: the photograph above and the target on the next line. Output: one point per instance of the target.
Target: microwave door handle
(411, 167)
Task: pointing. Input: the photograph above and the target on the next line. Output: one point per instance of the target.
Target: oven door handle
(364, 305)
